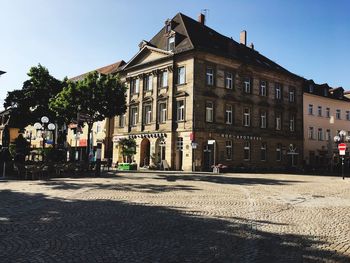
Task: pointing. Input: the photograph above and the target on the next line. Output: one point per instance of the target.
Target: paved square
(176, 218)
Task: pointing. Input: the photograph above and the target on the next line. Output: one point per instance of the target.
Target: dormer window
(311, 88)
(171, 43)
(167, 26)
(325, 92)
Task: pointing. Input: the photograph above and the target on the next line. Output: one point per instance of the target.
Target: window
(171, 43)
(122, 121)
(228, 80)
(228, 150)
(291, 95)
(319, 110)
(147, 83)
(180, 144)
(263, 88)
(134, 86)
(163, 79)
(311, 109)
(278, 91)
(278, 121)
(292, 122)
(311, 88)
(337, 114)
(98, 127)
(246, 149)
(209, 112)
(246, 117)
(348, 115)
(311, 133)
(147, 114)
(134, 116)
(279, 152)
(325, 92)
(181, 75)
(180, 110)
(210, 76)
(162, 112)
(263, 122)
(328, 113)
(320, 134)
(228, 114)
(247, 83)
(263, 151)
(328, 134)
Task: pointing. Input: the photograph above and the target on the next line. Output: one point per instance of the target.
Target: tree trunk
(90, 124)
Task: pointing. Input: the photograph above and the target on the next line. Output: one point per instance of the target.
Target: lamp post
(44, 126)
(338, 139)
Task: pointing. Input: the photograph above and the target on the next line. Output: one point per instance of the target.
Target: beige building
(197, 98)
(326, 112)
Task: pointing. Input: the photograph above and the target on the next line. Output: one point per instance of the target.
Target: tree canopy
(31, 102)
(95, 97)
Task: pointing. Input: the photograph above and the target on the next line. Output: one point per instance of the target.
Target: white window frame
(246, 149)
(263, 149)
(338, 114)
(278, 121)
(247, 85)
(228, 114)
(148, 113)
(228, 80)
(311, 133)
(163, 79)
(263, 88)
(180, 110)
(171, 43)
(279, 152)
(181, 75)
(209, 111)
(229, 150)
(319, 111)
(263, 119)
(347, 115)
(278, 91)
(134, 85)
(162, 112)
(320, 134)
(292, 95)
(134, 116)
(292, 123)
(209, 76)
(148, 83)
(246, 117)
(328, 134)
(122, 121)
(328, 112)
(311, 109)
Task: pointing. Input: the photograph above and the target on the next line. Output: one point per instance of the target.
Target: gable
(147, 54)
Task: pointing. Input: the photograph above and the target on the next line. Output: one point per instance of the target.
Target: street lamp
(44, 126)
(341, 138)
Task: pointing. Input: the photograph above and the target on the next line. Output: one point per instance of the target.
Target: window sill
(181, 84)
(180, 121)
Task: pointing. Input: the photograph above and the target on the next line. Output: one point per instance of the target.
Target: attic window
(171, 43)
(311, 88)
(168, 26)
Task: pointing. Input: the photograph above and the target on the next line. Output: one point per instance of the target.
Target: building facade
(326, 112)
(197, 98)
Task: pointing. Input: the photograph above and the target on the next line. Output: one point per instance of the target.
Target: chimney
(201, 18)
(243, 38)
(251, 46)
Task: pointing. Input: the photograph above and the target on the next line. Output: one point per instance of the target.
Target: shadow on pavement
(224, 179)
(35, 228)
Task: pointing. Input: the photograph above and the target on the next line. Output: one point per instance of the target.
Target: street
(176, 217)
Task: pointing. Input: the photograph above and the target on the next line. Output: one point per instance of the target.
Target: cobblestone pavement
(155, 217)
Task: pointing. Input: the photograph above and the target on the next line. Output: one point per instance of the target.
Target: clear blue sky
(310, 38)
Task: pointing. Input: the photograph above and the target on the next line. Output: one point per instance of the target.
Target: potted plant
(128, 149)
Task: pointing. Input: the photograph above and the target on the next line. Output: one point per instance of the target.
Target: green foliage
(128, 148)
(30, 103)
(22, 146)
(97, 97)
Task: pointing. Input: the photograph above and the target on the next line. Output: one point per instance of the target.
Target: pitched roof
(191, 34)
(104, 70)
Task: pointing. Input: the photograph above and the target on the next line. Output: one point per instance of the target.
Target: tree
(128, 148)
(95, 97)
(31, 102)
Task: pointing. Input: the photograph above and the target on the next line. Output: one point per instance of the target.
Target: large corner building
(197, 98)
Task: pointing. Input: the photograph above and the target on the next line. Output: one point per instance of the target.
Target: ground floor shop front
(202, 151)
